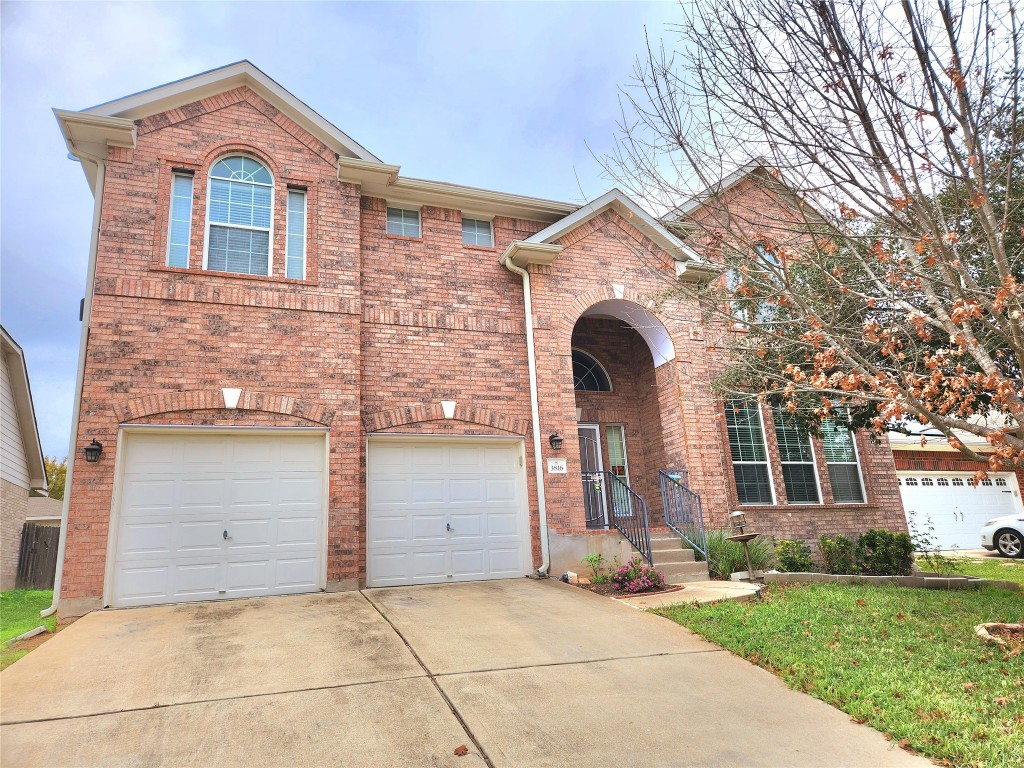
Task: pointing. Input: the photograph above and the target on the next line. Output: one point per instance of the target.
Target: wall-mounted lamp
(556, 441)
(93, 451)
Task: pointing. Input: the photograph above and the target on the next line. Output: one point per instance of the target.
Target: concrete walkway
(523, 673)
(696, 592)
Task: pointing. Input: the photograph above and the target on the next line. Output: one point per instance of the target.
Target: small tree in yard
(56, 474)
(891, 288)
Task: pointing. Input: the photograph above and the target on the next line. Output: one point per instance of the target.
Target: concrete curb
(26, 635)
(919, 581)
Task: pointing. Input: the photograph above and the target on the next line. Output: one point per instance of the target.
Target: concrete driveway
(524, 673)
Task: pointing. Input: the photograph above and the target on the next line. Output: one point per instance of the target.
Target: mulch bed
(1009, 636)
(610, 591)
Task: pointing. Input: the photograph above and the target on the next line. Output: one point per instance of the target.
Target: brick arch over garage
(420, 412)
(629, 306)
(212, 399)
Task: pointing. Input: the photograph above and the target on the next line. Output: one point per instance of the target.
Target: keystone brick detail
(204, 400)
(415, 414)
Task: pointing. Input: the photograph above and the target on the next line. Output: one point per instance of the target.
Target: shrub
(636, 576)
(726, 557)
(838, 555)
(793, 555)
(922, 536)
(595, 561)
(885, 553)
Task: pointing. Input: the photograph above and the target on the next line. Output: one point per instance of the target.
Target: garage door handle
(449, 526)
(226, 537)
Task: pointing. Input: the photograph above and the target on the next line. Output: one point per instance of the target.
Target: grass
(905, 661)
(993, 568)
(19, 612)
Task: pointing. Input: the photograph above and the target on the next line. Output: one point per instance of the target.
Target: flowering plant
(636, 576)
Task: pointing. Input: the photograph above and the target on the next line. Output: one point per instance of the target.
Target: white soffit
(643, 322)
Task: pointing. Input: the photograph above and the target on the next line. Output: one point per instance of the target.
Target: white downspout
(531, 358)
(90, 281)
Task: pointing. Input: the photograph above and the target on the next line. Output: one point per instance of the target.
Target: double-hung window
(843, 464)
(404, 222)
(239, 216)
(797, 459)
(179, 233)
(295, 247)
(749, 455)
(477, 232)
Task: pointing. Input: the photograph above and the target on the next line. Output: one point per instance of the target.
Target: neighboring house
(939, 491)
(310, 372)
(22, 470)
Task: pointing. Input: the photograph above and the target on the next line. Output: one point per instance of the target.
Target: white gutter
(531, 358)
(90, 281)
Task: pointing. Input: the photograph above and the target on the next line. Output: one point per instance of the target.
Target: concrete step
(672, 555)
(680, 573)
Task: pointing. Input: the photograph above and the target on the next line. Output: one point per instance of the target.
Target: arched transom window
(239, 216)
(587, 374)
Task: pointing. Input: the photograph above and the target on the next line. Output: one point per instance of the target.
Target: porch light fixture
(556, 441)
(93, 451)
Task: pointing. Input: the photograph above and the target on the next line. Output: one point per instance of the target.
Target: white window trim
(767, 461)
(814, 464)
(625, 454)
(490, 223)
(860, 471)
(273, 197)
(305, 230)
(611, 384)
(170, 218)
(418, 210)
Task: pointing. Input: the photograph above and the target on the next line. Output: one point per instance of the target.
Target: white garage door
(443, 510)
(214, 515)
(957, 509)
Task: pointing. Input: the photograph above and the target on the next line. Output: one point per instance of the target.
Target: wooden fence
(37, 561)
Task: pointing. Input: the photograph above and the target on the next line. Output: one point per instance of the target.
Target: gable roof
(14, 359)
(618, 201)
(757, 166)
(212, 82)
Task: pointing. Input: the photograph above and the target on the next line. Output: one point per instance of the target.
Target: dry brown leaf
(461, 751)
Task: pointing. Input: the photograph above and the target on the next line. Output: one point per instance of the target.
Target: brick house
(310, 372)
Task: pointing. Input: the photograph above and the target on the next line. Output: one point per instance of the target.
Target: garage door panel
(467, 489)
(429, 565)
(505, 561)
(474, 486)
(426, 528)
(141, 496)
(142, 539)
(296, 572)
(469, 563)
(181, 492)
(426, 491)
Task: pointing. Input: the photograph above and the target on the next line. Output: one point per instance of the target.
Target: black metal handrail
(683, 513)
(623, 509)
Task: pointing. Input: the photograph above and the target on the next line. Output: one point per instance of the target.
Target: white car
(1005, 534)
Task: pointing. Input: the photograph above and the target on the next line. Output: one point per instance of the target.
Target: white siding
(13, 467)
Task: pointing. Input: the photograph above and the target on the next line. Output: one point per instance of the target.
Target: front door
(591, 466)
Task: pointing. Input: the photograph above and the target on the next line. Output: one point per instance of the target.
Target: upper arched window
(589, 375)
(239, 215)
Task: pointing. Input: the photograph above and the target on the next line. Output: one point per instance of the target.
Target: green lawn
(19, 612)
(905, 661)
(993, 568)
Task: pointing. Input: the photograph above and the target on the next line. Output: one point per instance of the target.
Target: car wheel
(1009, 543)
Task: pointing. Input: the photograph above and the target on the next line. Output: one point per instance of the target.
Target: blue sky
(513, 97)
